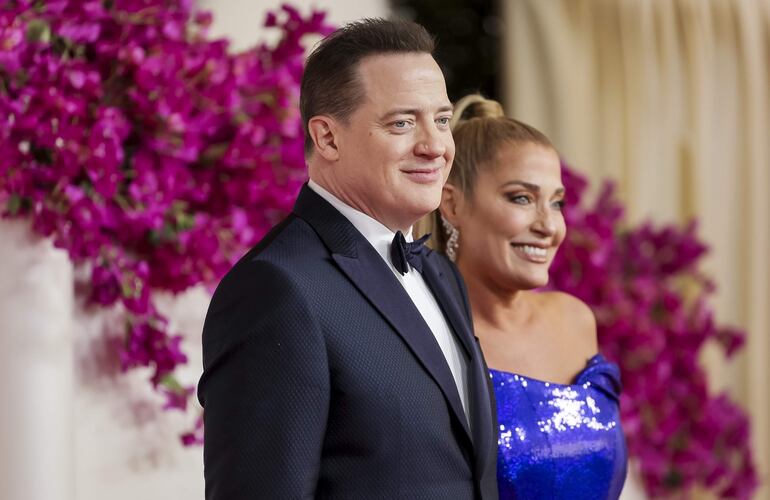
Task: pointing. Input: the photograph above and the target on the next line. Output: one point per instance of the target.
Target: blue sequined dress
(560, 441)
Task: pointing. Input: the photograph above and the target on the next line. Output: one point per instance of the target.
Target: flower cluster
(145, 150)
(650, 302)
(155, 158)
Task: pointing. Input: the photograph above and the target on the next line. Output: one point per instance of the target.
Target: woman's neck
(494, 307)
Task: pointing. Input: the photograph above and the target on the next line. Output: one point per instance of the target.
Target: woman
(557, 399)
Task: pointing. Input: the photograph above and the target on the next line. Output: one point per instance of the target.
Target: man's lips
(423, 175)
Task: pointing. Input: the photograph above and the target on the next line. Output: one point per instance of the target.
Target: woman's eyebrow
(532, 187)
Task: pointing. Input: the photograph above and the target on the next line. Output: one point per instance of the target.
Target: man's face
(396, 151)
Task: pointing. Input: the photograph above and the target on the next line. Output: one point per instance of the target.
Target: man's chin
(417, 212)
(423, 194)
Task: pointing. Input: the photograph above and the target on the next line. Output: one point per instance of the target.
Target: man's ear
(452, 203)
(322, 131)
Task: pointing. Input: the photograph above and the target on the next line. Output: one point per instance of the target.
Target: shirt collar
(377, 234)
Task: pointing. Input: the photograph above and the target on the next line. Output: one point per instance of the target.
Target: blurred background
(668, 99)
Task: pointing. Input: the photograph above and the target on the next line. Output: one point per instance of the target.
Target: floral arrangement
(650, 302)
(147, 151)
(155, 158)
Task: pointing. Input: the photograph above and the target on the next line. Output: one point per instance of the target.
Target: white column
(36, 367)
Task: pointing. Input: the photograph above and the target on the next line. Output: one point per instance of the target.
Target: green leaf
(38, 31)
(167, 233)
(672, 479)
(170, 382)
(184, 222)
(126, 289)
(14, 204)
(154, 237)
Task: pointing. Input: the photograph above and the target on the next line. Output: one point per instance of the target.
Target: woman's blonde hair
(480, 128)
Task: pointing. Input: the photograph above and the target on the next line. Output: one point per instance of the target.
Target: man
(338, 357)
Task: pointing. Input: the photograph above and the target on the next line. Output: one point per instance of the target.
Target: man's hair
(331, 85)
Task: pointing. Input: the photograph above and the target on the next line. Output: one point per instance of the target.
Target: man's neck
(328, 192)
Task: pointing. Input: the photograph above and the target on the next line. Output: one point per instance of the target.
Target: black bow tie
(403, 253)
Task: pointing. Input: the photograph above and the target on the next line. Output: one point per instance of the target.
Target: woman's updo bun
(476, 106)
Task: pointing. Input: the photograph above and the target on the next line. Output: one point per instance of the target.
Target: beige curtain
(671, 98)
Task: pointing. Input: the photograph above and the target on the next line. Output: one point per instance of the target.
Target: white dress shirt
(380, 237)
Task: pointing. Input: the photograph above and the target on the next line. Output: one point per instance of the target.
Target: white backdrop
(71, 425)
(36, 368)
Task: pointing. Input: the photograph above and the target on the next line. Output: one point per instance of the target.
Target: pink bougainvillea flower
(650, 303)
(147, 151)
(156, 158)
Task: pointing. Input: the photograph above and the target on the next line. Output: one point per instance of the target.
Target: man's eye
(400, 124)
(444, 120)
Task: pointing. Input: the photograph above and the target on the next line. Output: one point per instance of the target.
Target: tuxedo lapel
(480, 407)
(376, 281)
(364, 267)
(440, 288)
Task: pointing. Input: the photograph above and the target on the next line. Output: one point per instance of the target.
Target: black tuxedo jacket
(322, 380)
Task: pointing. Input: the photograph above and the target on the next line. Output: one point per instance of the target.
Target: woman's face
(512, 225)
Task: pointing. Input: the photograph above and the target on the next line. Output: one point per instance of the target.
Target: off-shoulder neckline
(592, 361)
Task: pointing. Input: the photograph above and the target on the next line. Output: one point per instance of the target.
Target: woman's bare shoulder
(573, 319)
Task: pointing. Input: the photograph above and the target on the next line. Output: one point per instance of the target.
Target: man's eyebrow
(399, 111)
(413, 111)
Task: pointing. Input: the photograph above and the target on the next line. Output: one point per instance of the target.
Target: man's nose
(431, 143)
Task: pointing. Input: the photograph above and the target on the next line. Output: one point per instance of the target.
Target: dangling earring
(453, 236)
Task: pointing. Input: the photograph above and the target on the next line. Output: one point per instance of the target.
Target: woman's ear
(452, 204)
(322, 130)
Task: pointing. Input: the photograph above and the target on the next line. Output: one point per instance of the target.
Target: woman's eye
(559, 205)
(520, 199)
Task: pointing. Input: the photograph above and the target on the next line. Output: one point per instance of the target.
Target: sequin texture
(560, 441)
